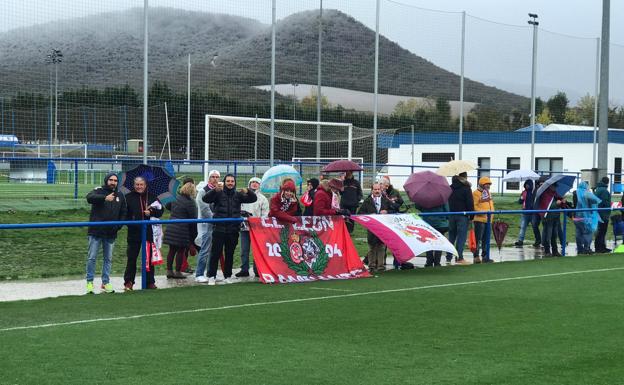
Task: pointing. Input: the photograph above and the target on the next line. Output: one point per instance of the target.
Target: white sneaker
(228, 281)
(212, 281)
(201, 279)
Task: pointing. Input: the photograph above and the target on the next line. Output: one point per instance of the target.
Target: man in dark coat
(106, 205)
(460, 200)
(142, 205)
(350, 197)
(227, 204)
(375, 203)
(602, 192)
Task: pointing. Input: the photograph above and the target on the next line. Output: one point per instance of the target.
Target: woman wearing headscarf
(586, 222)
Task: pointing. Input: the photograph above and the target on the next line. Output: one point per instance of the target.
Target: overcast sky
(498, 39)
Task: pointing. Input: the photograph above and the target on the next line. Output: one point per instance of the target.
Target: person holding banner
(284, 205)
(375, 203)
(227, 204)
(327, 198)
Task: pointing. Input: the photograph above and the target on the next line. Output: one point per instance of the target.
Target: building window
(513, 164)
(484, 167)
(549, 165)
(617, 171)
(438, 156)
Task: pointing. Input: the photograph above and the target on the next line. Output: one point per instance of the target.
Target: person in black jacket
(180, 236)
(142, 205)
(106, 205)
(460, 200)
(308, 198)
(227, 204)
(350, 197)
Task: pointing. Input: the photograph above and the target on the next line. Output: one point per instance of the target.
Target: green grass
(557, 329)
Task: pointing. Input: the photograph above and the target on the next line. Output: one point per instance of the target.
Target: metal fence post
(75, 178)
(143, 256)
(488, 233)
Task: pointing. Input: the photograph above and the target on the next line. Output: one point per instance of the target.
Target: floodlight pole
(596, 96)
(295, 84)
(376, 89)
(188, 111)
(145, 75)
(318, 85)
(603, 116)
(534, 23)
(461, 89)
(272, 139)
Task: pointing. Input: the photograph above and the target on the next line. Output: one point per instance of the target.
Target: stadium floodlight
(534, 23)
(294, 85)
(54, 57)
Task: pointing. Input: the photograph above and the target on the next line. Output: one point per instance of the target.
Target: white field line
(329, 289)
(296, 300)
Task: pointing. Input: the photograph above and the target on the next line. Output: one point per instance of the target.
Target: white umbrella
(520, 176)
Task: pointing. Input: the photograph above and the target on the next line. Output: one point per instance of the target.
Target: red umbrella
(342, 165)
(427, 189)
(499, 228)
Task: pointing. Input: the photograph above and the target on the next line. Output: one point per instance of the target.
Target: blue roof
(509, 137)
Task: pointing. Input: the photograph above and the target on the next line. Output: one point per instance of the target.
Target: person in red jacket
(284, 205)
(328, 192)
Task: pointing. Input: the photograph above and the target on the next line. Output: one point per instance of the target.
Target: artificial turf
(554, 321)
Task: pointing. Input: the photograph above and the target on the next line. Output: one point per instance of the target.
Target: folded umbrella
(499, 228)
(427, 189)
(456, 167)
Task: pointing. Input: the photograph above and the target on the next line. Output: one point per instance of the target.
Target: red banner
(313, 249)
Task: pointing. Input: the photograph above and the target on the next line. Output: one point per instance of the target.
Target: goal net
(245, 138)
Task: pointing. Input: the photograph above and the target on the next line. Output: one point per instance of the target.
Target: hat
(337, 184)
(254, 179)
(605, 180)
(314, 182)
(289, 185)
(485, 180)
(214, 172)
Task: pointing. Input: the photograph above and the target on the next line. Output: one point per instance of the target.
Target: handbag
(472, 240)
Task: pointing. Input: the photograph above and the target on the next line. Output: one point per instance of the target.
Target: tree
(558, 105)
(544, 117)
(309, 101)
(409, 107)
(585, 107)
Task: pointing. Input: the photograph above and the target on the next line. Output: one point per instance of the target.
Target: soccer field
(555, 321)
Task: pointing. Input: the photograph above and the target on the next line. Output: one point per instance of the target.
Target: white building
(558, 148)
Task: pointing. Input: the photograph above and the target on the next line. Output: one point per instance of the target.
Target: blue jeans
(549, 238)
(204, 250)
(94, 247)
(245, 242)
(458, 231)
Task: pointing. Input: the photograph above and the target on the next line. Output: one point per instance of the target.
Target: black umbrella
(159, 181)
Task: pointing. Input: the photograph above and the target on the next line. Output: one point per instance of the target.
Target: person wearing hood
(106, 205)
(227, 204)
(258, 209)
(550, 200)
(602, 192)
(527, 200)
(179, 236)
(483, 201)
(586, 222)
(307, 199)
(204, 230)
(284, 205)
(460, 200)
(142, 205)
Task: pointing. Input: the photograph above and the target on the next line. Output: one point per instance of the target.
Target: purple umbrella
(499, 228)
(427, 189)
(342, 165)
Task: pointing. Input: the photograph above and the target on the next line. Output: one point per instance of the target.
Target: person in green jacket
(602, 192)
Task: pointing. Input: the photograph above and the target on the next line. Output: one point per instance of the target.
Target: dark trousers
(434, 257)
(220, 241)
(132, 252)
(349, 222)
(482, 237)
(535, 223)
(179, 253)
(600, 243)
(549, 238)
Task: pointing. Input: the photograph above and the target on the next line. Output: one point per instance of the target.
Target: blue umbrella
(159, 182)
(273, 177)
(564, 184)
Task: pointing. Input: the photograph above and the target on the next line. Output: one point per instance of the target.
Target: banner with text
(406, 235)
(313, 249)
